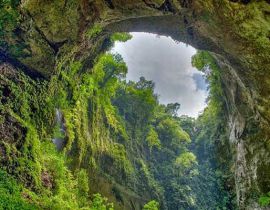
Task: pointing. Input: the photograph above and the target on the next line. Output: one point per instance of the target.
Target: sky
(168, 64)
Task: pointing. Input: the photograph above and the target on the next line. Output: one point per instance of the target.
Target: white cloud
(168, 64)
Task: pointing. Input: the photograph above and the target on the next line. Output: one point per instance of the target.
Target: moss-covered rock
(49, 37)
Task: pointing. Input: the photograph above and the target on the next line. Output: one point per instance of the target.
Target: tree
(172, 109)
(113, 66)
(136, 102)
(186, 163)
(171, 134)
(144, 84)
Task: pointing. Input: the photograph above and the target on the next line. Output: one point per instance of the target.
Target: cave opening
(118, 143)
(169, 65)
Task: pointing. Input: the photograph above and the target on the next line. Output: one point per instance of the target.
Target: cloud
(168, 64)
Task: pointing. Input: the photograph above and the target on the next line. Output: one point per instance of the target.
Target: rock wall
(237, 32)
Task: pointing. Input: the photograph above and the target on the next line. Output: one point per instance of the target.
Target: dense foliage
(186, 170)
(164, 161)
(99, 122)
(10, 194)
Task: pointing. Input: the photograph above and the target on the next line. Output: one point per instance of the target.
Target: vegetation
(265, 200)
(118, 131)
(9, 20)
(115, 127)
(94, 31)
(152, 139)
(100, 203)
(11, 194)
(170, 150)
(209, 137)
(36, 164)
(151, 205)
(121, 37)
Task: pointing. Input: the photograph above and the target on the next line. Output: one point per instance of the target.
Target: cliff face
(236, 32)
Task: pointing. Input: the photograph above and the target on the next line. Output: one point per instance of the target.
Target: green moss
(55, 18)
(11, 194)
(121, 37)
(25, 98)
(249, 26)
(94, 31)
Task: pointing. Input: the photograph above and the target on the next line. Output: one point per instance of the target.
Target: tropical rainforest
(74, 134)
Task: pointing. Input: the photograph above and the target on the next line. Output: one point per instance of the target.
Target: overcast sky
(168, 64)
